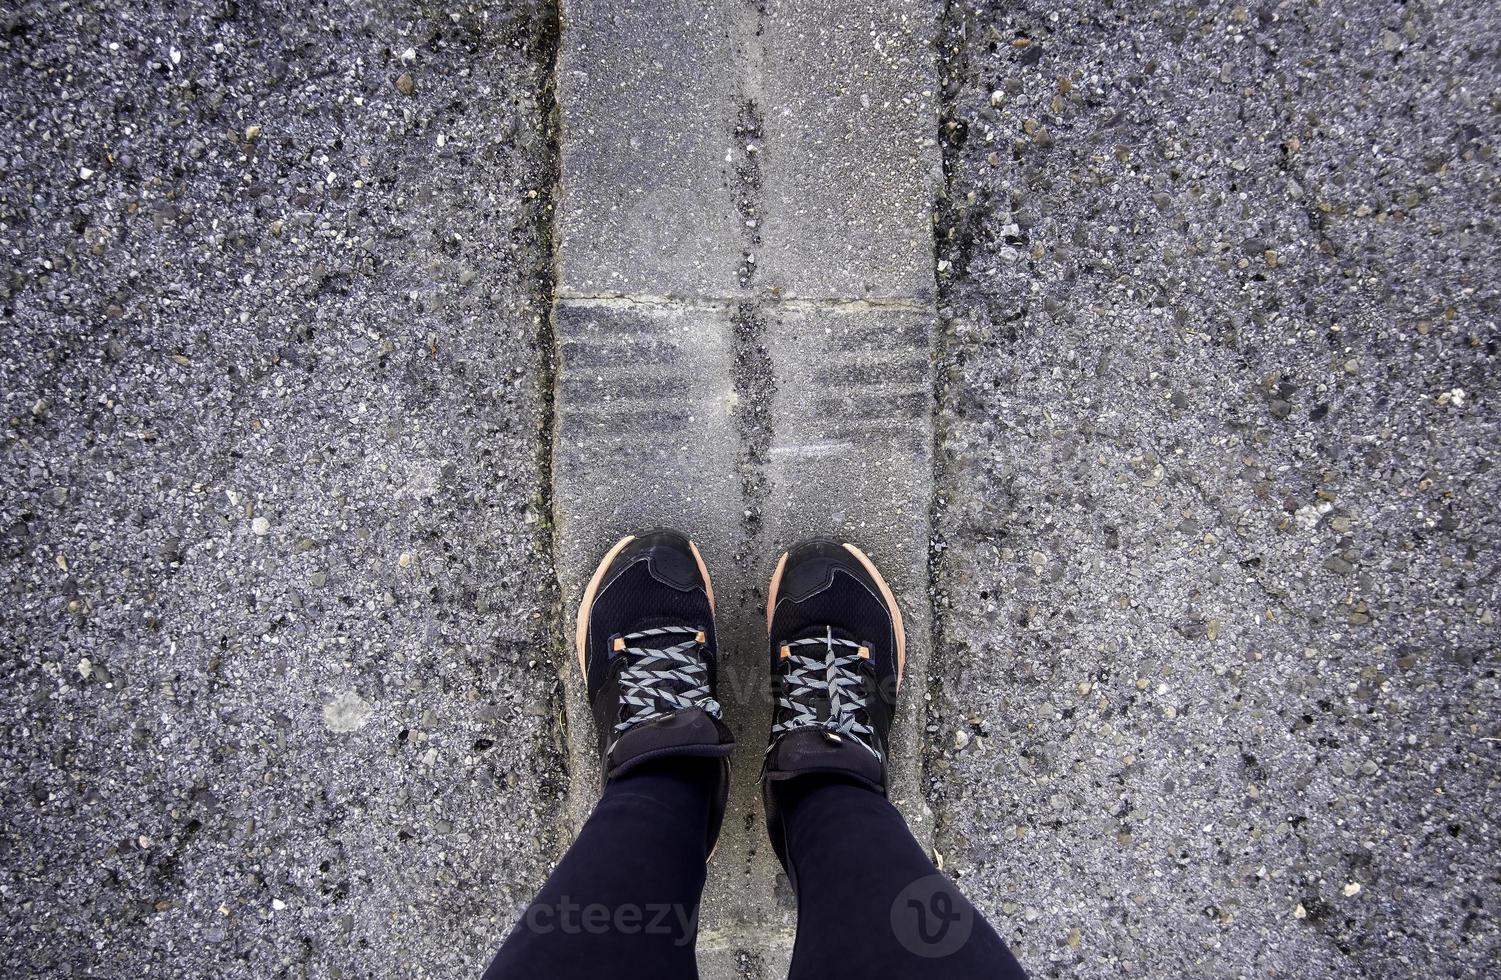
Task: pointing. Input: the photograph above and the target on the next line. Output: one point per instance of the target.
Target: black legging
(623, 902)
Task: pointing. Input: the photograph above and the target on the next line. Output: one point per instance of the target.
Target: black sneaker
(646, 646)
(837, 651)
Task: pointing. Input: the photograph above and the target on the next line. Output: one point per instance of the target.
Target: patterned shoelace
(823, 689)
(660, 680)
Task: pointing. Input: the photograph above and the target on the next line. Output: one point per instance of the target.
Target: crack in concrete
(753, 377)
(748, 202)
(547, 31)
(755, 386)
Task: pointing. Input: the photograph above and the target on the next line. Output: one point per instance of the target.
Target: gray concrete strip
(851, 163)
(646, 127)
(710, 150)
(637, 449)
(634, 450)
(852, 458)
(744, 320)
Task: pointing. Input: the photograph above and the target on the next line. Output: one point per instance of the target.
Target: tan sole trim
(896, 610)
(870, 567)
(704, 571)
(581, 627)
(771, 591)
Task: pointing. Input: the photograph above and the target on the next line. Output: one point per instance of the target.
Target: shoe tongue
(815, 751)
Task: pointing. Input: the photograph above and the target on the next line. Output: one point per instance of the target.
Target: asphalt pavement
(1213, 575)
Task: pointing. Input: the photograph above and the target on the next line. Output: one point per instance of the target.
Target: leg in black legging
(870, 903)
(623, 902)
